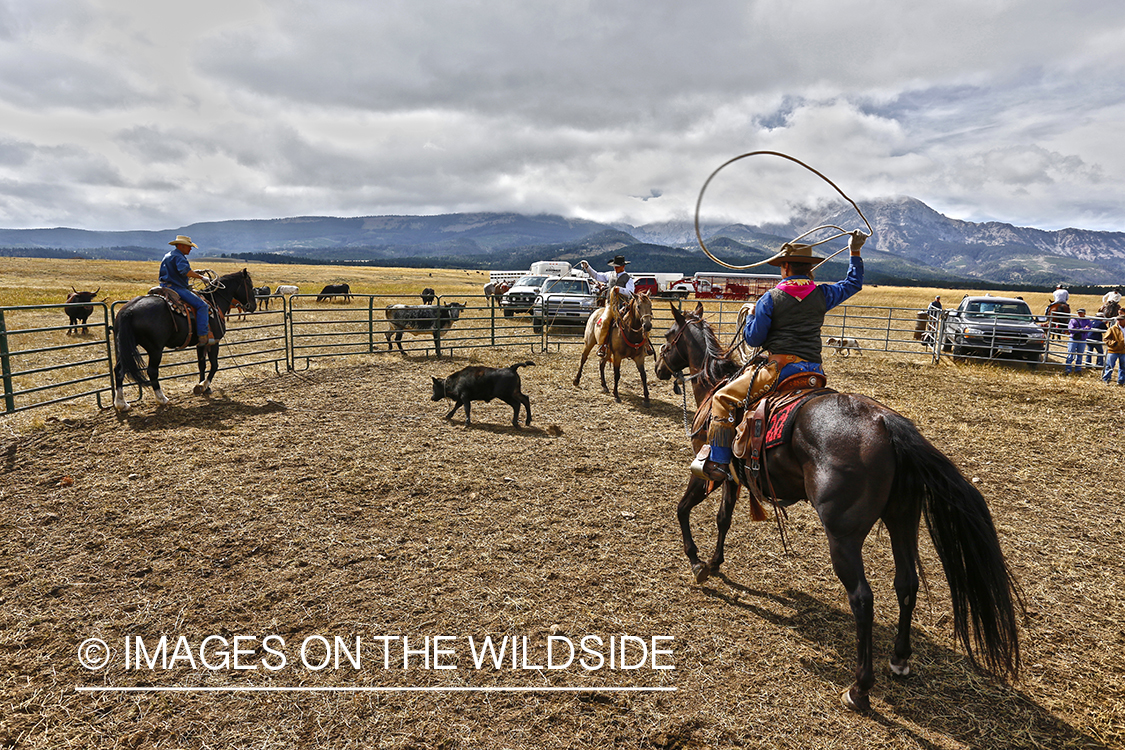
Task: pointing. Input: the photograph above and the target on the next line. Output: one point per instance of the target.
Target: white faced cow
(420, 319)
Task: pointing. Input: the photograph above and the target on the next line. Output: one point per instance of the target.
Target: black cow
(335, 290)
(419, 319)
(428, 296)
(78, 311)
(484, 384)
(263, 295)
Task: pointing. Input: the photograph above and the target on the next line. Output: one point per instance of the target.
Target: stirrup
(603, 350)
(716, 472)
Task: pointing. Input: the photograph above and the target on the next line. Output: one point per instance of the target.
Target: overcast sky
(148, 114)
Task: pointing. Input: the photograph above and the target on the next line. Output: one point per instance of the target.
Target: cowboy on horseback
(1060, 295)
(174, 274)
(621, 290)
(786, 323)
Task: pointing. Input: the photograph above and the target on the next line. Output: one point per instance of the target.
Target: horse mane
(718, 366)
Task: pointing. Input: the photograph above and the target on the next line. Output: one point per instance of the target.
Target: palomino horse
(1058, 318)
(858, 462)
(628, 339)
(149, 323)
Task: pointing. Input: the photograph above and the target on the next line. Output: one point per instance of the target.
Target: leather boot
(705, 468)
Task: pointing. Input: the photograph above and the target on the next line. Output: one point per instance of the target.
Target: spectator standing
(1115, 346)
(1094, 343)
(1078, 329)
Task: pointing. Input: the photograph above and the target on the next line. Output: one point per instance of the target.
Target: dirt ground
(337, 503)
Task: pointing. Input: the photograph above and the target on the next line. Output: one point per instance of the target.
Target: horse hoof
(853, 701)
(198, 390)
(900, 669)
(701, 572)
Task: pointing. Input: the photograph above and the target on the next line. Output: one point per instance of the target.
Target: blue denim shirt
(173, 270)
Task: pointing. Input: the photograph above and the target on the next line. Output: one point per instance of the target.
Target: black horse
(858, 462)
(149, 323)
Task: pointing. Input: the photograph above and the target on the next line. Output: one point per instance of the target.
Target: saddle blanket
(781, 409)
(780, 428)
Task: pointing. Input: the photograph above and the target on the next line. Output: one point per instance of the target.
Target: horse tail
(982, 589)
(127, 354)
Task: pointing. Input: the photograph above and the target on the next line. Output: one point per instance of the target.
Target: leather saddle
(178, 307)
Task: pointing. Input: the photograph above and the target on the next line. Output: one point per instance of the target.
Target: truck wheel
(508, 312)
(537, 325)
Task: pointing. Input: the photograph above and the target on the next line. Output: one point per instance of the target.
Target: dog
(844, 346)
(484, 384)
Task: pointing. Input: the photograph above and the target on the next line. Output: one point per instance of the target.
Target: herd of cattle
(427, 318)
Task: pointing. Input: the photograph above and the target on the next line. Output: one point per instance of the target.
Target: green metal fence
(43, 362)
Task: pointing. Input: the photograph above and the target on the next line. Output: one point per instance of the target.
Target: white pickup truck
(566, 300)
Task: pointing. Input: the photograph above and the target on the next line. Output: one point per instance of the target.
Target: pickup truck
(521, 295)
(566, 300)
(993, 327)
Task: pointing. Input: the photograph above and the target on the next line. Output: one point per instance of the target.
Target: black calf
(484, 384)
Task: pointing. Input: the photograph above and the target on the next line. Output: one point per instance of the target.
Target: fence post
(6, 367)
(287, 328)
(887, 337)
(109, 336)
(371, 325)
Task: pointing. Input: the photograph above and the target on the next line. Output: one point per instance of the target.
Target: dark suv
(993, 327)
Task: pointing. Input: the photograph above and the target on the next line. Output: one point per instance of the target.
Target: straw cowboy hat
(182, 239)
(618, 260)
(794, 252)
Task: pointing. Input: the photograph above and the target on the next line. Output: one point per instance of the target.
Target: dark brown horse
(1058, 318)
(858, 462)
(627, 340)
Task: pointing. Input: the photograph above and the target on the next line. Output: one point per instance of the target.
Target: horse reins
(679, 374)
(639, 328)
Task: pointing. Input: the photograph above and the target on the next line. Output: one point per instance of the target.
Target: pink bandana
(797, 286)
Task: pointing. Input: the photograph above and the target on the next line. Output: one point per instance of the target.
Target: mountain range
(911, 244)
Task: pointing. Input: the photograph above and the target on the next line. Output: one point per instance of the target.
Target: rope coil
(842, 232)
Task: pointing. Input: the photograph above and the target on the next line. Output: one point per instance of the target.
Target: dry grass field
(336, 502)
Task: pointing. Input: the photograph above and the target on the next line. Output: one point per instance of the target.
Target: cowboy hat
(182, 239)
(794, 252)
(618, 260)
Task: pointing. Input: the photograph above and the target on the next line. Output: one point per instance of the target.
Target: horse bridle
(216, 285)
(671, 344)
(639, 328)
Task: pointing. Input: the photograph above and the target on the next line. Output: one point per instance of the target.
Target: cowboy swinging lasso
(856, 462)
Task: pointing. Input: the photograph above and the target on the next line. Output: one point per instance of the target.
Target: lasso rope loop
(842, 232)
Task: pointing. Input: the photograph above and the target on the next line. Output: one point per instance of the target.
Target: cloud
(159, 115)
